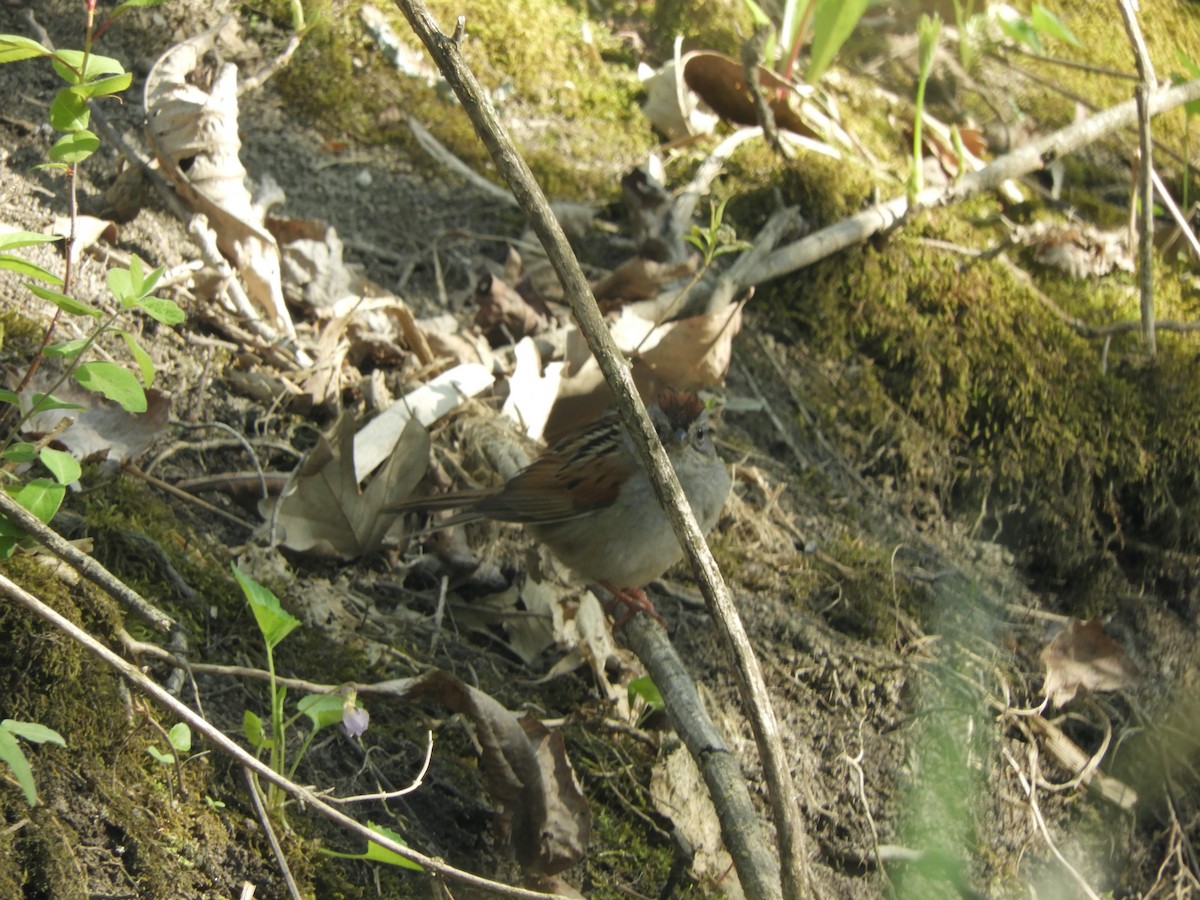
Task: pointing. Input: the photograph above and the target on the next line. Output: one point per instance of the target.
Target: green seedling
(14, 757)
(321, 710)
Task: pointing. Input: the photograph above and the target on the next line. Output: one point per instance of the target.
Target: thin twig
(229, 747)
(1028, 158)
(1029, 786)
(87, 566)
(1146, 86)
(190, 498)
(796, 880)
(416, 782)
(269, 830)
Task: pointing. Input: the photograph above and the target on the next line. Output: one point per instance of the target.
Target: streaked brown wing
(570, 479)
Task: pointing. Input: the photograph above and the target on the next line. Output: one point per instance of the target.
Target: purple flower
(355, 719)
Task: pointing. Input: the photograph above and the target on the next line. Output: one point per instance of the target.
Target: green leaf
(7, 396)
(74, 147)
(140, 356)
(167, 759)
(41, 497)
(645, 688)
(47, 402)
(67, 349)
(252, 728)
(137, 275)
(379, 853)
(14, 48)
(69, 66)
(1047, 22)
(103, 87)
(1020, 30)
(62, 465)
(62, 301)
(322, 709)
(120, 282)
(33, 732)
(28, 269)
(274, 623)
(832, 24)
(114, 382)
(166, 311)
(151, 280)
(11, 753)
(20, 452)
(69, 111)
(14, 239)
(180, 737)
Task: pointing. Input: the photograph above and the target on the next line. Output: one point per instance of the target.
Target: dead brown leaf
(504, 316)
(102, 428)
(540, 811)
(326, 513)
(720, 81)
(1083, 657)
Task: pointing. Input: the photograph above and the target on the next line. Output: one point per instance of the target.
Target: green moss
(531, 56)
(964, 386)
(721, 25)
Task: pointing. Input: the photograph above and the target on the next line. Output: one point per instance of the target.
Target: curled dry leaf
(194, 133)
(540, 811)
(504, 316)
(686, 96)
(1083, 656)
(326, 513)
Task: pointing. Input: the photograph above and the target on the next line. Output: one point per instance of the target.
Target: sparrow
(589, 500)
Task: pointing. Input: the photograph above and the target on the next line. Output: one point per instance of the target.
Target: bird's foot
(628, 602)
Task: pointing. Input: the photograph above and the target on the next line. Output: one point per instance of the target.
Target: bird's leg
(634, 601)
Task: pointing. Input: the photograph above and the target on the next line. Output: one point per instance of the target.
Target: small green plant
(827, 22)
(89, 77)
(929, 31)
(322, 710)
(180, 739)
(13, 756)
(1029, 30)
(718, 238)
(1191, 110)
(377, 852)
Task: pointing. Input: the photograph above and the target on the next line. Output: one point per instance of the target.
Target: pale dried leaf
(375, 442)
(680, 795)
(102, 428)
(1079, 250)
(326, 513)
(194, 133)
(1083, 657)
(531, 391)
